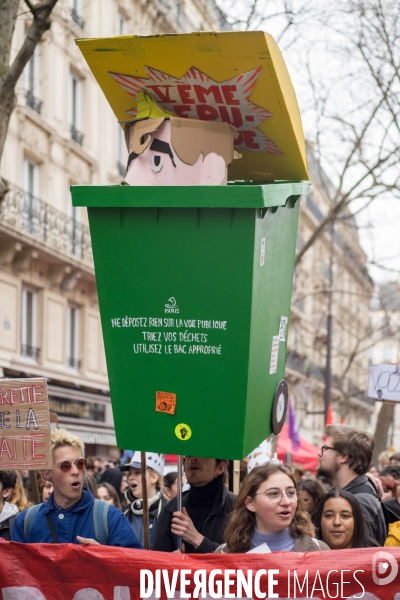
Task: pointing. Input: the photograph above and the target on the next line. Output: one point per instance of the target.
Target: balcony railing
(74, 363)
(175, 11)
(30, 351)
(76, 135)
(33, 102)
(76, 17)
(33, 216)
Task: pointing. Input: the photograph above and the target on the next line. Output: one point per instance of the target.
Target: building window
(122, 155)
(121, 24)
(75, 8)
(387, 354)
(73, 337)
(31, 82)
(179, 14)
(30, 214)
(75, 104)
(28, 324)
(370, 355)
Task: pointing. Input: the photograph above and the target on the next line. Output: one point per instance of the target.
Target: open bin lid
(236, 77)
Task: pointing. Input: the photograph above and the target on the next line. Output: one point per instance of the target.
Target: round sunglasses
(66, 465)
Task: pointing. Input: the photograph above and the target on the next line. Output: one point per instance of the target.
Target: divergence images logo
(381, 561)
(172, 307)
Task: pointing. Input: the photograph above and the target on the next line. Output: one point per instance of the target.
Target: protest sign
(43, 572)
(240, 78)
(384, 382)
(24, 424)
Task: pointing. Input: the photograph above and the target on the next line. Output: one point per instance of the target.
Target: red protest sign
(24, 424)
(195, 95)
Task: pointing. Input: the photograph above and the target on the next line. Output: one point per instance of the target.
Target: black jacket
(394, 508)
(6, 528)
(371, 506)
(213, 529)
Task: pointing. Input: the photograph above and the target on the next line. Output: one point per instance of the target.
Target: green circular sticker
(183, 431)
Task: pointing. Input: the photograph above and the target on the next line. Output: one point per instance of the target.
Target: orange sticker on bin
(165, 402)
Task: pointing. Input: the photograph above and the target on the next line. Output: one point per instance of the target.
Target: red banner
(70, 572)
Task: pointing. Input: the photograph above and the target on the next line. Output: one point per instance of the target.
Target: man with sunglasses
(344, 460)
(71, 514)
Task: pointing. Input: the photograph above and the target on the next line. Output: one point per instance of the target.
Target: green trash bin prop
(194, 278)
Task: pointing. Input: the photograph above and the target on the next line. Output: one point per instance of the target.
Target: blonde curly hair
(62, 437)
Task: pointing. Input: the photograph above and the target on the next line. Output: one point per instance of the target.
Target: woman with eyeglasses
(340, 523)
(269, 516)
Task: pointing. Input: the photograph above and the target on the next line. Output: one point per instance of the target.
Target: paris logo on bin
(172, 307)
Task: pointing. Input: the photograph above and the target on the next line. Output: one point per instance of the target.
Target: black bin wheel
(279, 406)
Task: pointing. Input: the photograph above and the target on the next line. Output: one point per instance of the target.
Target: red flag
(329, 417)
(43, 572)
(294, 434)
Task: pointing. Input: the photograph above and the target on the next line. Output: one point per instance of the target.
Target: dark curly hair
(362, 537)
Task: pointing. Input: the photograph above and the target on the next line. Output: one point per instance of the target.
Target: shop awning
(306, 455)
(92, 435)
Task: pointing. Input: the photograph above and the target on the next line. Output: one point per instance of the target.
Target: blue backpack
(100, 512)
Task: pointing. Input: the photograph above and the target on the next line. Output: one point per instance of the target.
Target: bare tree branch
(10, 73)
(30, 6)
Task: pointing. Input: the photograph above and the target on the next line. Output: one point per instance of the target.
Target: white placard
(273, 366)
(384, 382)
(282, 329)
(262, 253)
(262, 549)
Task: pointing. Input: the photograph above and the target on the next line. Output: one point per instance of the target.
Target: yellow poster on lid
(234, 77)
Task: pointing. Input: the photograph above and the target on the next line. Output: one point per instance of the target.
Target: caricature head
(168, 150)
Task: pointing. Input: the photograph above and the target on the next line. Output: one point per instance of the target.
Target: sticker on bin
(165, 402)
(282, 329)
(262, 255)
(183, 432)
(273, 366)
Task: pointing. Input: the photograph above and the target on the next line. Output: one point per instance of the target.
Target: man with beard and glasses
(344, 461)
(71, 514)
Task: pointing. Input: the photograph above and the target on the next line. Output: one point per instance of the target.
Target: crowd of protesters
(349, 503)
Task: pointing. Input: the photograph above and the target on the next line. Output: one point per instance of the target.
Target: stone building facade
(63, 132)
